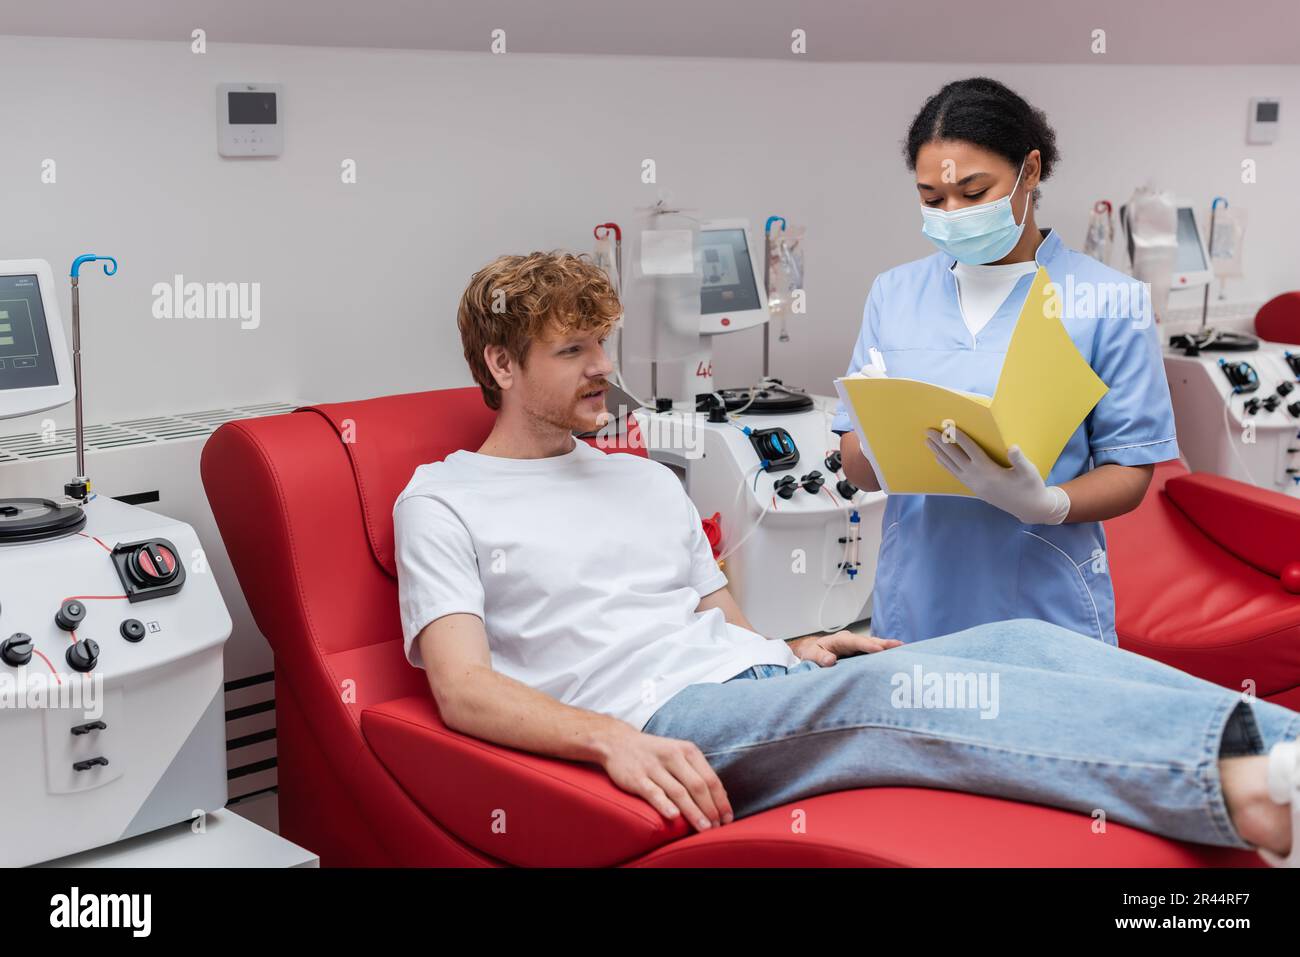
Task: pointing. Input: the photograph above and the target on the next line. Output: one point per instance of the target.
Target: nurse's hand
(826, 649)
(1019, 490)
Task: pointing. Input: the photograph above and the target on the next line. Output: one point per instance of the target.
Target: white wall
(462, 157)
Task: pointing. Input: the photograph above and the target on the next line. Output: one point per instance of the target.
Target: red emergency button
(726, 321)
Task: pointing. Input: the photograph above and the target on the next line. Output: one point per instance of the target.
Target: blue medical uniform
(951, 562)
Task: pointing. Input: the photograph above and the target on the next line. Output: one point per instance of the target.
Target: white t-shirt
(586, 569)
(982, 290)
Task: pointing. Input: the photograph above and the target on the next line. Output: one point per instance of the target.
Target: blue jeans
(1018, 709)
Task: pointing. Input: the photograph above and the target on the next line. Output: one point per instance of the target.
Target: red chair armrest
(515, 806)
(1259, 526)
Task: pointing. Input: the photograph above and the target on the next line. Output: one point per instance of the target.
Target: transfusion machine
(1238, 411)
(112, 718)
(1236, 398)
(797, 540)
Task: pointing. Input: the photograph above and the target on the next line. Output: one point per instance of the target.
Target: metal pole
(1205, 303)
(618, 267)
(767, 302)
(76, 377)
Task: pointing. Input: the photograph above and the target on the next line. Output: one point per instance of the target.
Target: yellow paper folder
(1046, 388)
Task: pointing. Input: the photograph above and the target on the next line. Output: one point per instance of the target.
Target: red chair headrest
(1278, 320)
(387, 438)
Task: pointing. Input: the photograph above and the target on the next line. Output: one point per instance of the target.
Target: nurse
(1022, 547)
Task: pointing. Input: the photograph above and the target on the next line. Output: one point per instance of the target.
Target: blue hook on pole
(1217, 201)
(88, 258)
(772, 219)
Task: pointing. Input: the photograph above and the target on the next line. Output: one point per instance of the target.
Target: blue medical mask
(976, 235)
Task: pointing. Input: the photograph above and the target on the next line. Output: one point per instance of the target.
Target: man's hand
(671, 774)
(826, 649)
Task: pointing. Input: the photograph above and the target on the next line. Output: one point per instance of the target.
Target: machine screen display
(26, 361)
(1190, 256)
(252, 109)
(728, 284)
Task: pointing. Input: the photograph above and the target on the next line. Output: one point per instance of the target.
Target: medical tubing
(763, 514)
(855, 542)
(828, 419)
(618, 376)
(766, 382)
(849, 554)
(1232, 442)
(753, 393)
(821, 608)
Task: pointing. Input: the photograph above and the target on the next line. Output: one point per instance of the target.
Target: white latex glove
(1019, 490)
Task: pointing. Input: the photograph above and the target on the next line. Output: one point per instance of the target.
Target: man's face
(565, 381)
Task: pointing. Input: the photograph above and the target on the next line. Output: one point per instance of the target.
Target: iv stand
(79, 487)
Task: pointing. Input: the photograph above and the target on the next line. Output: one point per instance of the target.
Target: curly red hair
(514, 300)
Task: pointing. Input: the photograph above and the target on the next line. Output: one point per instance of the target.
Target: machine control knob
(1294, 409)
(70, 615)
(1251, 406)
(132, 629)
(83, 655)
(1285, 388)
(812, 482)
(1272, 402)
(16, 650)
(846, 488)
(785, 486)
(152, 564)
(834, 462)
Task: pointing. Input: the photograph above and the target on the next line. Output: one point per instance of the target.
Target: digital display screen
(251, 109)
(1266, 112)
(1191, 257)
(728, 283)
(26, 361)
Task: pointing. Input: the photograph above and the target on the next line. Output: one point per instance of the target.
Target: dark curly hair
(990, 115)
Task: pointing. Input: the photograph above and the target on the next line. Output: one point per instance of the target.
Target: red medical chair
(1278, 320)
(1206, 573)
(369, 774)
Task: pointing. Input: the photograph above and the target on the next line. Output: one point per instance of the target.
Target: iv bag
(603, 256)
(1101, 233)
(667, 258)
(1151, 219)
(784, 267)
(784, 274)
(1226, 241)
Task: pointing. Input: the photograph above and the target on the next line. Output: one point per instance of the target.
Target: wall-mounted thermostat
(250, 119)
(1264, 119)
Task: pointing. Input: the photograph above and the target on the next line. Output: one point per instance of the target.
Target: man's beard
(561, 415)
